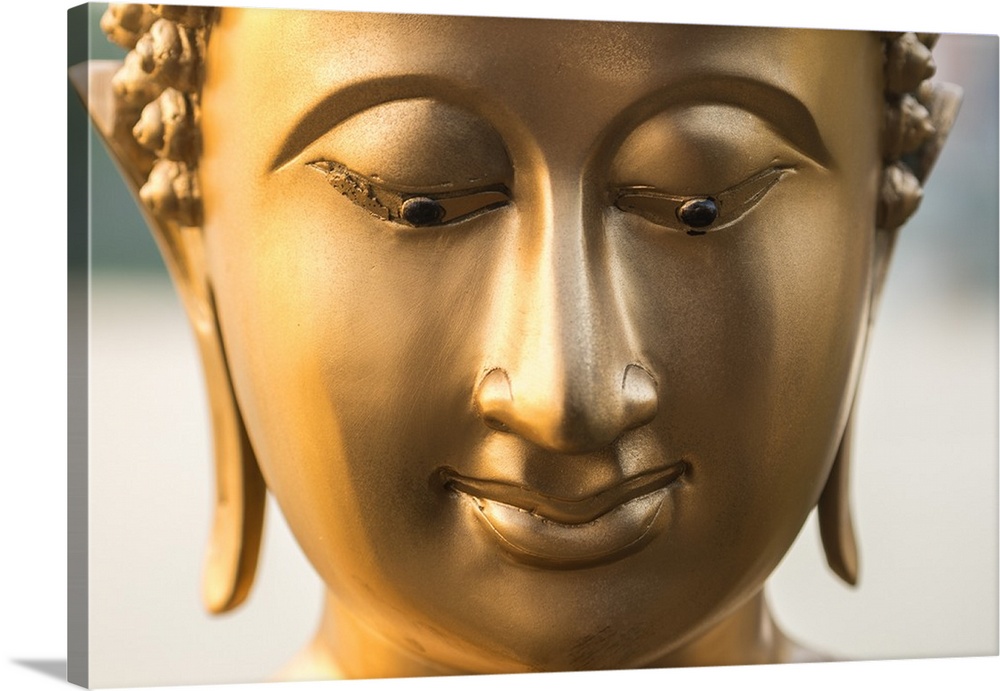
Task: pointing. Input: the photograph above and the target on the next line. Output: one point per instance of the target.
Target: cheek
(273, 282)
(353, 350)
(756, 334)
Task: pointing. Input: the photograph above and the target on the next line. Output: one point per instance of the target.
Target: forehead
(269, 69)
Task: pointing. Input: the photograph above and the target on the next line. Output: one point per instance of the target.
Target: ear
(162, 194)
(240, 491)
(919, 115)
(836, 525)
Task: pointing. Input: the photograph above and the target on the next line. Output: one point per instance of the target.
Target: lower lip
(537, 541)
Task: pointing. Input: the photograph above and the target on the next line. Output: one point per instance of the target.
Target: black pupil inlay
(421, 211)
(698, 213)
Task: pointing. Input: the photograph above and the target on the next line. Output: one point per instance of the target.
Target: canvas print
(430, 345)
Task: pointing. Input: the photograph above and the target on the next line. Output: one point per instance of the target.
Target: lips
(555, 532)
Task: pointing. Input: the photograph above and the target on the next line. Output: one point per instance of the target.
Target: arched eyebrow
(786, 114)
(349, 100)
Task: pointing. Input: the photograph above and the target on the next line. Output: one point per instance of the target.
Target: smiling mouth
(553, 532)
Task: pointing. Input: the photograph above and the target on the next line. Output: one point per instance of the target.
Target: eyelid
(389, 203)
(733, 203)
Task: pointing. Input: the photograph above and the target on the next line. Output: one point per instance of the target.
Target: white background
(33, 518)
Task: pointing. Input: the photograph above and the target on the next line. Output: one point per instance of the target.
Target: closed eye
(408, 208)
(699, 214)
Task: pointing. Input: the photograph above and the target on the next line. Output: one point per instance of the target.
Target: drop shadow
(52, 668)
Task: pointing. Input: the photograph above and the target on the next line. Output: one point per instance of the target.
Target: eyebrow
(349, 100)
(785, 113)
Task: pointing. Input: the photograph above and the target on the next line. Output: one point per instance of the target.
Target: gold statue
(545, 335)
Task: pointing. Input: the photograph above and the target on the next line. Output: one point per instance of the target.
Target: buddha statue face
(544, 335)
(536, 415)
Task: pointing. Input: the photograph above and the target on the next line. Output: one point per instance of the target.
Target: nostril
(639, 394)
(495, 423)
(493, 398)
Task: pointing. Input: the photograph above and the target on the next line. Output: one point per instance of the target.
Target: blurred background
(924, 476)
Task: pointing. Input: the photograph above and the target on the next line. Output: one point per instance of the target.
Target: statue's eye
(408, 208)
(699, 214)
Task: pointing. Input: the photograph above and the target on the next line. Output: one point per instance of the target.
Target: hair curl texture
(158, 93)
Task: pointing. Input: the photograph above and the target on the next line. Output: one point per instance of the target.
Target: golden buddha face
(545, 334)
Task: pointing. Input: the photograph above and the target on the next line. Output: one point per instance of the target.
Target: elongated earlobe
(239, 488)
(836, 525)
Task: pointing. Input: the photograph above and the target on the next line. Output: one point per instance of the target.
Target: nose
(575, 420)
(565, 372)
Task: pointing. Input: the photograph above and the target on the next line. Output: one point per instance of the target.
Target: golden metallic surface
(544, 335)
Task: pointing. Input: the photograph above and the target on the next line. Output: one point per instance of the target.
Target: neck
(747, 636)
(345, 647)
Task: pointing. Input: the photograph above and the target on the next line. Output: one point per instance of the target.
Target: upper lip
(562, 510)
